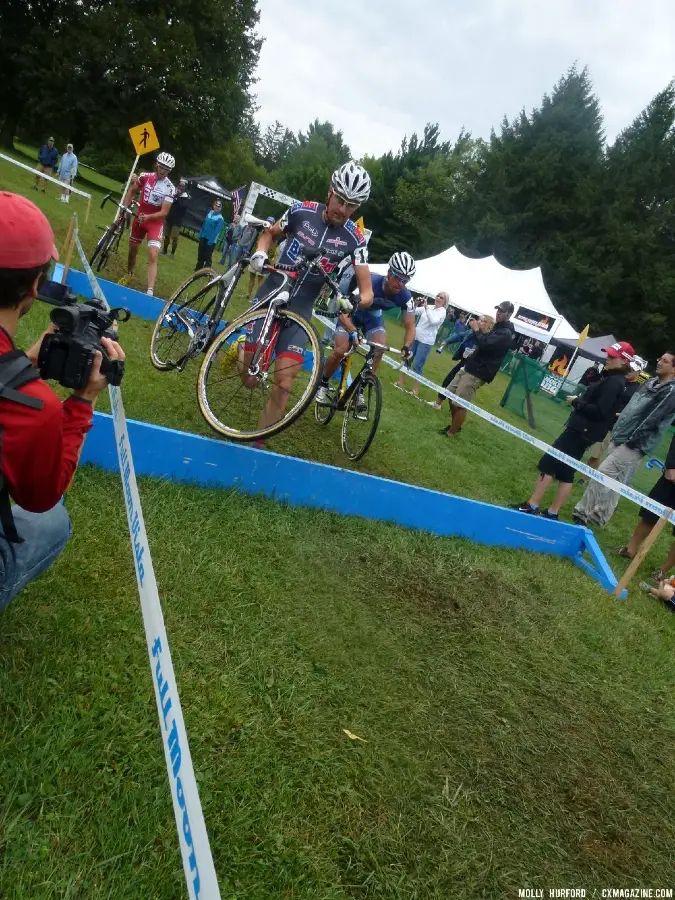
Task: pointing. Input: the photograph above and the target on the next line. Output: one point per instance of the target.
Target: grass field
(88, 176)
(519, 722)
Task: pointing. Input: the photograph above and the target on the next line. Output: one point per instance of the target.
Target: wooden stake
(640, 555)
(68, 249)
(69, 235)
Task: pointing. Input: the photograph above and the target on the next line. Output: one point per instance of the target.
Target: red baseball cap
(26, 237)
(621, 349)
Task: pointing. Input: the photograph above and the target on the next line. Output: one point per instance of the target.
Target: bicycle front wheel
(362, 416)
(183, 328)
(100, 255)
(247, 407)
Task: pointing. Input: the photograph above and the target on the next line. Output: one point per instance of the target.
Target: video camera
(67, 356)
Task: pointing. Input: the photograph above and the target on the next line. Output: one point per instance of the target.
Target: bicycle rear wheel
(362, 416)
(183, 328)
(232, 401)
(324, 412)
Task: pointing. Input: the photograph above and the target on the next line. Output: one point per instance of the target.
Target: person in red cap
(40, 436)
(593, 415)
(638, 431)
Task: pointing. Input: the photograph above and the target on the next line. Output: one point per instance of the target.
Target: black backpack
(15, 371)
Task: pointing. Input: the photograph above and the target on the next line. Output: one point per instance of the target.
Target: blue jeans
(45, 536)
(226, 256)
(419, 356)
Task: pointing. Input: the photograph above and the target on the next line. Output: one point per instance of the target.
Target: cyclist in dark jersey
(389, 292)
(312, 226)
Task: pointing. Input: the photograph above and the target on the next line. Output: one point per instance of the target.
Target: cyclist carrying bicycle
(157, 194)
(309, 227)
(388, 292)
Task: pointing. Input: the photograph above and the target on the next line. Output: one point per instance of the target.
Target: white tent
(477, 285)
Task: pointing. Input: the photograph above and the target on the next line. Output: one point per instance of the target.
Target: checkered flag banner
(237, 199)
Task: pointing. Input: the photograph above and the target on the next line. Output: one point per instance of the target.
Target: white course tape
(200, 873)
(622, 489)
(61, 184)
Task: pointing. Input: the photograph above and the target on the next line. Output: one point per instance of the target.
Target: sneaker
(439, 350)
(35, 187)
(230, 357)
(547, 514)
(579, 521)
(526, 508)
(434, 403)
(173, 255)
(164, 253)
(323, 395)
(150, 292)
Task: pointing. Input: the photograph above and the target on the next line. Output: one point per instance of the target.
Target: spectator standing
(483, 364)
(429, 321)
(461, 354)
(175, 218)
(228, 256)
(632, 386)
(593, 414)
(42, 436)
(211, 230)
(663, 492)
(247, 239)
(460, 330)
(48, 157)
(637, 431)
(67, 172)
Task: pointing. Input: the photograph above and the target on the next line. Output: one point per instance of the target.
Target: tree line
(546, 189)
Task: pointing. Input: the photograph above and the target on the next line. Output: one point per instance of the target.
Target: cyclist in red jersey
(157, 194)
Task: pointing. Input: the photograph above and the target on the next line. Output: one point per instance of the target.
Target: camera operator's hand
(34, 351)
(98, 382)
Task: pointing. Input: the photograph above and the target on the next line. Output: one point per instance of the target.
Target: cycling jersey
(370, 320)
(154, 191)
(306, 228)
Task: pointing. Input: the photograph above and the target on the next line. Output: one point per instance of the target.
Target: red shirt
(41, 447)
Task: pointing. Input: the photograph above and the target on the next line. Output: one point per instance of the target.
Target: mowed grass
(519, 721)
(515, 733)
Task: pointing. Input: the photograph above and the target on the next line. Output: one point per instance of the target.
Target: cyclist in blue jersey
(311, 226)
(388, 292)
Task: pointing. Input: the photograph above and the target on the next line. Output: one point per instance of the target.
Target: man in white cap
(67, 171)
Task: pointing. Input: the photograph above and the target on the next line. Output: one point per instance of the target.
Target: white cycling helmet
(402, 264)
(165, 159)
(351, 182)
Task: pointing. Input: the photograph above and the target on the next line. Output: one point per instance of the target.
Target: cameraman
(40, 436)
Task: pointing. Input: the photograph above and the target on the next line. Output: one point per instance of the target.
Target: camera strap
(15, 371)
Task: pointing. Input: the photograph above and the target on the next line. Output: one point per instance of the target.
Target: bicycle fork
(262, 355)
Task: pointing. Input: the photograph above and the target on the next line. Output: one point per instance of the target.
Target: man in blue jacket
(48, 157)
(208, 236)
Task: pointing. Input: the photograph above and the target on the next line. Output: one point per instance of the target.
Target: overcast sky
(379, 69)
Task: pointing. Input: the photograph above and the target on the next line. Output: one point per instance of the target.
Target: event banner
(538, 320)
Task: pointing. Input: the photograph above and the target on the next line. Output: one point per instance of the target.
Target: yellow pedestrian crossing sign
(144, 138)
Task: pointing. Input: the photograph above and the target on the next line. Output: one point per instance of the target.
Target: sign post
(144, 138)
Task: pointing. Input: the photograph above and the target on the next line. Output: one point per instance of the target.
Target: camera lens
(65, 317)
